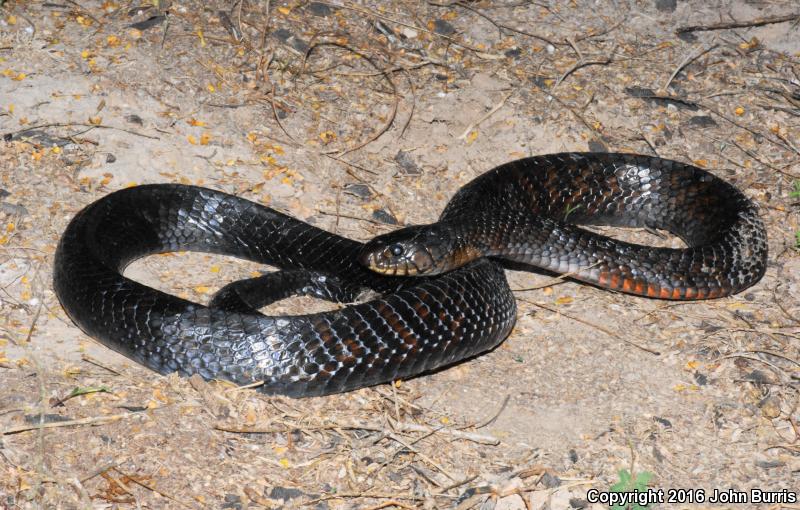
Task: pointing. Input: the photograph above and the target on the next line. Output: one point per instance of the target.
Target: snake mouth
(379, 261)
(399, 259)
(418, 250)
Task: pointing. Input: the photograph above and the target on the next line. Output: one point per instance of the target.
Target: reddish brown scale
(409, 339)
(422, 310)
(353, 346)
(326, 336)
(346, 360)
(394, 322)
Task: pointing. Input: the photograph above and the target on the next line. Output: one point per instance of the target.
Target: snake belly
(414, 327)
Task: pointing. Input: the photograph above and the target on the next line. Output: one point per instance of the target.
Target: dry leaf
(327, 136)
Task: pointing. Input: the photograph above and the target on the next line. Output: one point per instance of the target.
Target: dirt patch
(354, 117)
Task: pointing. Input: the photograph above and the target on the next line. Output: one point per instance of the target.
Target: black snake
(524, 211)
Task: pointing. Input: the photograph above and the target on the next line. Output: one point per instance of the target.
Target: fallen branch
(595, 326)
(584, 62)
(9, 136)
(778, 142)
(151, 488)
(767, 20)
(374, 427)
(96, 420)
(460, 434)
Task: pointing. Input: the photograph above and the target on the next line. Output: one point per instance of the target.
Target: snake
(413, 300)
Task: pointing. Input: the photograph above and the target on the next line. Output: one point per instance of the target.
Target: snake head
(412, 251)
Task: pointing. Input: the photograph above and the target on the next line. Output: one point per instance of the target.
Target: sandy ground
(353, 117)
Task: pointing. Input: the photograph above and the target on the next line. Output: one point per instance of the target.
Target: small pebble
(702, 121)
(232, 501)
(285, 493)
(770, 408)
(134, 119)
(769, 464)
(359, 190)
(150, 22)
(407, 164)
(663, 421)
(666, 5)
(442, 27)
(13, 209)
(410, 33)
(384, 217)
(597, 146)
(318, 9)
(550, 481)
(639, 91)
(759, 377)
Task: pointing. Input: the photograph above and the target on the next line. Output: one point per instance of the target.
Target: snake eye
(396, 250)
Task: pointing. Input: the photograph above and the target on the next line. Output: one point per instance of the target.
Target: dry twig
(374, 427)
(486, 115)
(595, 326)
(691, 57)
(95, 420)
(10, 135)
(584, 63)
(724, 25)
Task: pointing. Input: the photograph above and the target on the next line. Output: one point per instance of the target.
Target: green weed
(628, 483)
(795, 193)
(571, 209)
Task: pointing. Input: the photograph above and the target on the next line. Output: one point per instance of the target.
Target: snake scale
(442, 293)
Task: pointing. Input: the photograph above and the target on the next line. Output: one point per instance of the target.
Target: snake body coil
(522, 211)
